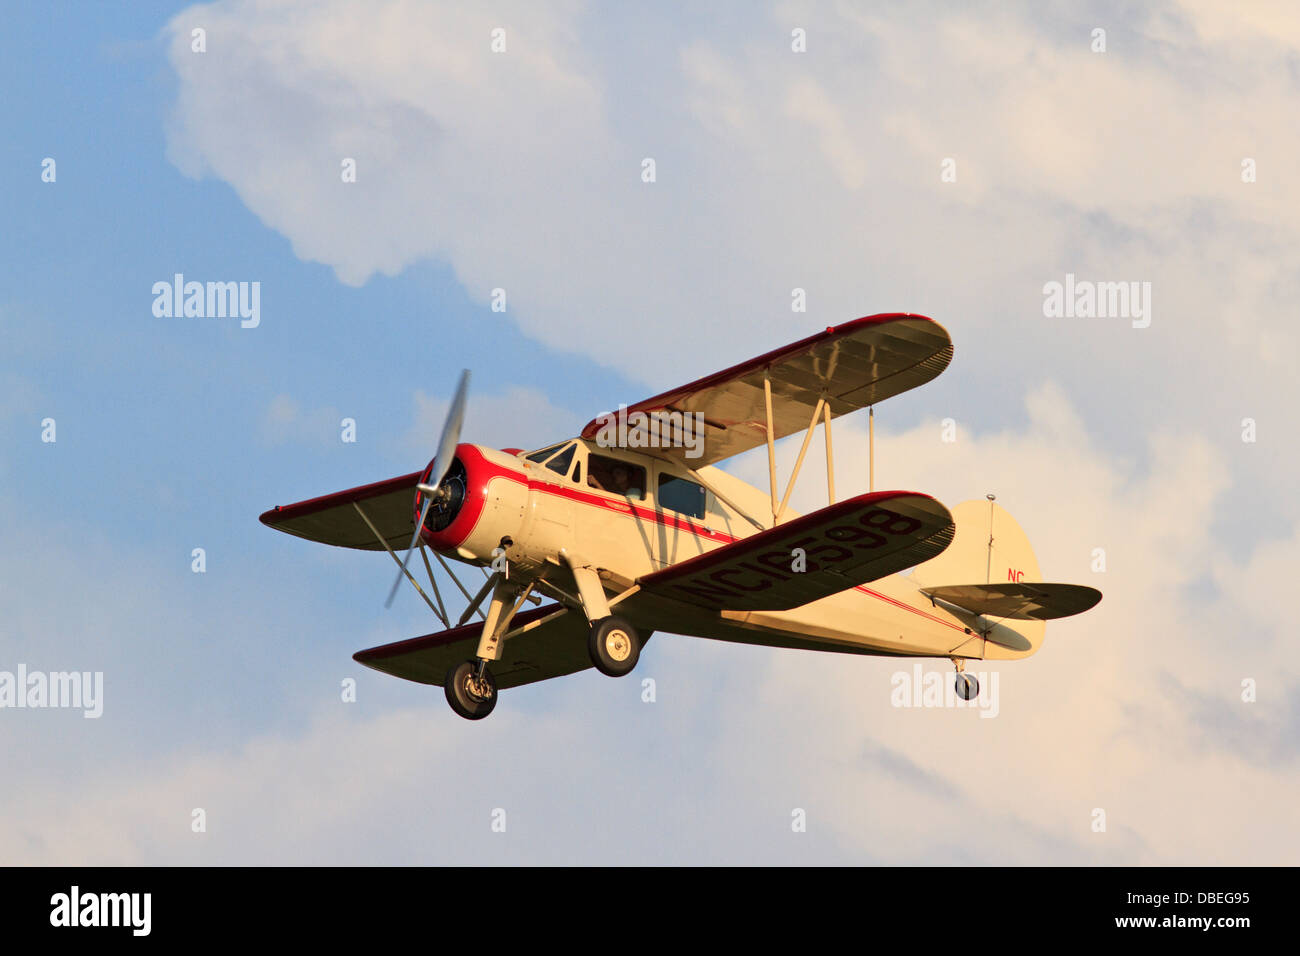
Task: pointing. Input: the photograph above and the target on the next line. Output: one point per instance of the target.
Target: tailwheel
(968, 686)
(614, 646)
(471, 690)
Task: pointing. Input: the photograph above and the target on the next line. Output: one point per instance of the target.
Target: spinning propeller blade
(441, 465)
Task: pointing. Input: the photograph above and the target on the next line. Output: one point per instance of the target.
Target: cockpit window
(560, 463)
(544, 454)
(616, 476)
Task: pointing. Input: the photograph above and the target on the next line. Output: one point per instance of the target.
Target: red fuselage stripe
(630, 510)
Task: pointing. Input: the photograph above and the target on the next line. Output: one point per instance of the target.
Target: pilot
(622, 483)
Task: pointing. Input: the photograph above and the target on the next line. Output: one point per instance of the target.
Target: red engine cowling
(487, 494)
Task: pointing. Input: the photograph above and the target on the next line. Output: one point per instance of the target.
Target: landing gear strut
(968, 685)
(612, 643)
(471, 689)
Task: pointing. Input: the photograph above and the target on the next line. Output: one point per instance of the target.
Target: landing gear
(968, 685)
(612, 643)
(614, 646)
(471, 689)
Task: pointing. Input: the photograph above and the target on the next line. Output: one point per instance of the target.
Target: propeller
(441, 465)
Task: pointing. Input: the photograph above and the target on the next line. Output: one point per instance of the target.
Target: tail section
(989, 573)
(970, 559)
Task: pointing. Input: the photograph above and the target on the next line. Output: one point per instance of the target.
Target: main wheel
(968, 685)
(472, 698)
(614, 646)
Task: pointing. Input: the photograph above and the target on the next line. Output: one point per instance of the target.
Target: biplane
(623, 533)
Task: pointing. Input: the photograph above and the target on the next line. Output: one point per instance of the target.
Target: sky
(946, 160)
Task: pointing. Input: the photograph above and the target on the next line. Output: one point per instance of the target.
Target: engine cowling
(485, 501)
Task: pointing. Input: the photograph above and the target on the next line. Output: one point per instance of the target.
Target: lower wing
(552, 642)
(841, 546)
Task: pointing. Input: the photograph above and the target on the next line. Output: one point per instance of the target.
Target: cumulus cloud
(1133, 709)
(821, 171)
(775, 169)
(1129, 708)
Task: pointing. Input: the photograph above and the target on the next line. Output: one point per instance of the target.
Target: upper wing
(333, 519)
(845, 544)
(1019, 601)
(554, 644)
(858, 364)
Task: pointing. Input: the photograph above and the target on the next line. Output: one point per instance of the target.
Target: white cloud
(1110, 713)
(779, 170)
(821, 170)
(1132, 708)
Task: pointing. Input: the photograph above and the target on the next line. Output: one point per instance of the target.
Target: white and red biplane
(644, 534)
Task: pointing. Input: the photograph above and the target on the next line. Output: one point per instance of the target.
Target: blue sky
(774, 172)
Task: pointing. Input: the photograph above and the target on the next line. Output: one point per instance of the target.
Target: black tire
(614, 646)
(968, 685)
(462, 698)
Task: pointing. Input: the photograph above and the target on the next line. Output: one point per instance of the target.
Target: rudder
(970, 560)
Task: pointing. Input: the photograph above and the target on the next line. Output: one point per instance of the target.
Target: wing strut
(454, 578)
(871, 449)
(830, 459)
(416, 584)
(771, 445)
(803, 450)
(440, 612)
(424, 554)
(778, 510)
(477, 599)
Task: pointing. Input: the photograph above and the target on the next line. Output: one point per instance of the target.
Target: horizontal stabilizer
(1018, 601)
(822, 553)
